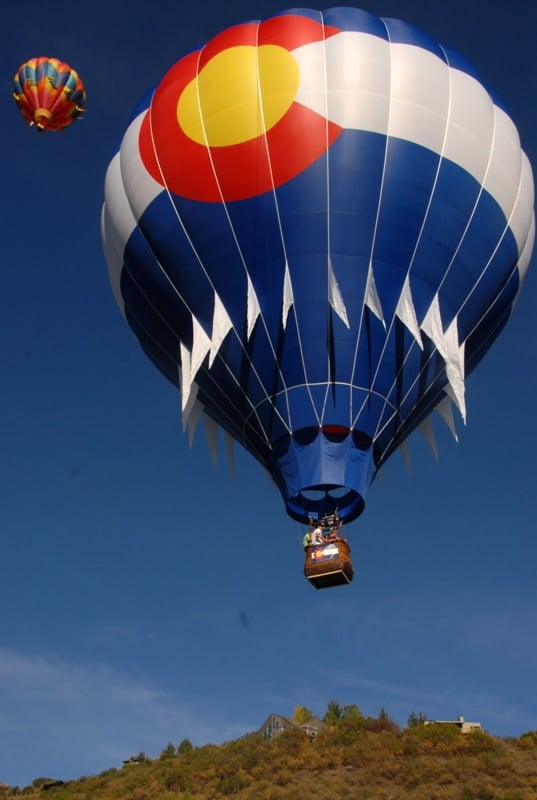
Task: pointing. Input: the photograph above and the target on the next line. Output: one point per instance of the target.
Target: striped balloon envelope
(316, 225)
(49, 93)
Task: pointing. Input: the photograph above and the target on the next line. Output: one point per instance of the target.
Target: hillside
(354, 759)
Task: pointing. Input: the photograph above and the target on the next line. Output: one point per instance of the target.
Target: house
(276, 724)
(460, 722)
(141, 758)
(51, 784)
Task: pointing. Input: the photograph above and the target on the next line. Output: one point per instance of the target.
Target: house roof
(288, 722)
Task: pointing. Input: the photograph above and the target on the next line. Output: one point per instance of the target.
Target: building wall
(460, 722)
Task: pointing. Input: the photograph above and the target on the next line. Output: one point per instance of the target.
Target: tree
(334, 713)
(352, 712)
(185, 746)
(302, 714)
(385, 722)
(169, 751)
(415, 719)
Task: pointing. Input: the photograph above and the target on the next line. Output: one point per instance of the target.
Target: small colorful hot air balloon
(49, 93)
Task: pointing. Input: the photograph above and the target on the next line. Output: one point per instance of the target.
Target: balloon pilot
(328, 560)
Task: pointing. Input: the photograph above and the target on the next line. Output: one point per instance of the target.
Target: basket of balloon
(329, 564)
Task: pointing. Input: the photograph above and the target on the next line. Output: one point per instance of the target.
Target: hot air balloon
(49, 93)
(316, 226)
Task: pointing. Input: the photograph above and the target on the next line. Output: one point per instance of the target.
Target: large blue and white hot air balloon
(316, 226)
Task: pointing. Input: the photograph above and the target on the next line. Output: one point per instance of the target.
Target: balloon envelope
(49, 93)
(316, 226)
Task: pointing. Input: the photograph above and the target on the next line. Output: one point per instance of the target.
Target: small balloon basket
(329, 564)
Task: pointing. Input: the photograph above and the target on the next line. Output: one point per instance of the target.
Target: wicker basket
(329, 564)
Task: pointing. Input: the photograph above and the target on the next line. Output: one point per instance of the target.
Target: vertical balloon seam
(434, 186)
(150, 303)
(307, 380)
(453, 325)
(287, 277)
(114, 183)
(496, 299)
(436, 398)
(328, 266)
(453, 259)
(132, 311)
(461, 239)
(413, 327)
(185, 370)
(509, 213)
(136, 283)
(252, 302)
(56, 90)
(174, 288)
(332, 277)
(148, 333)
(335, 299)
(509, 225)
(481, 192)
(288, 284)
(222, 412)
(39, 85)
(258, 310)
(372, 299)
(110, 242)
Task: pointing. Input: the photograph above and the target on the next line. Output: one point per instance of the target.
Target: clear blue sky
(147, 596)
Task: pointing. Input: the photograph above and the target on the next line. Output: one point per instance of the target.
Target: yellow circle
(238, 95)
